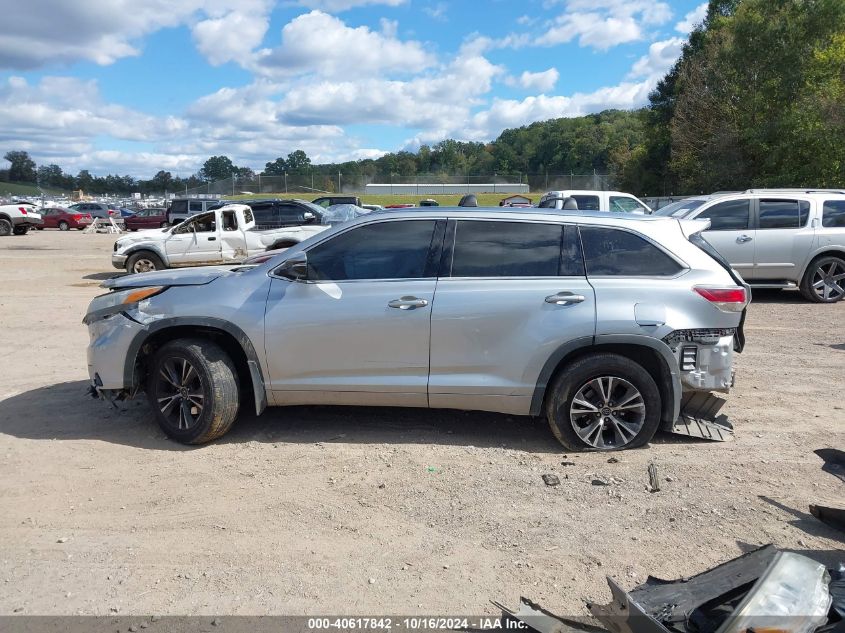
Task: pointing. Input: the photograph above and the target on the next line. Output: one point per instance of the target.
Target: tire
(5, 227)
(164, 225)
(64, 226)
(202, 371)
(133, 230)
(39, 228)
(144, 262)
(824, 280)
(598, 423)
(20, 230)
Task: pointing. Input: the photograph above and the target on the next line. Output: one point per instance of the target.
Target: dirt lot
(378, 511)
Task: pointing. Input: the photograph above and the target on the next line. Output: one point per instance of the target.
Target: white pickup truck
(225, 235)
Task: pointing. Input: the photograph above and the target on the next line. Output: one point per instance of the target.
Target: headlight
(114, 302)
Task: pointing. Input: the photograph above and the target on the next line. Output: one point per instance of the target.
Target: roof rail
(794, 190)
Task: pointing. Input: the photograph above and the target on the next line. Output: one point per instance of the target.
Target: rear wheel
(824, 280)
(21, 230)
(603, 402)
(144, 262)
(5, 227)
(193, 388)
(63, 226)
(164, 225)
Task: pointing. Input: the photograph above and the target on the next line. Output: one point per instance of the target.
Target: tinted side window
(587, 203)
(611, 252)
(387, 250)
(833, 214)
(547, 204)
(733, 215)
(783, 214)
(291, 214)
(265, 215)
(195, 207)
(180, 206)
(506, 249)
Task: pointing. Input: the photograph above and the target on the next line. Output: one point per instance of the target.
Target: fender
(253, 362)
(147, 246)
(834, 250)
(671, 409)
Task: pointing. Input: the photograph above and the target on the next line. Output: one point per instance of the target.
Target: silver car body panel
(486, 344)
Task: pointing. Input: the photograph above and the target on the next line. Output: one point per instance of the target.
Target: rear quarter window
(833, 214)
(616, 253)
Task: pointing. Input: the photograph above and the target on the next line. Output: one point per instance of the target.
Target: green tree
(22, 167)
(217, 168)
(298, 162)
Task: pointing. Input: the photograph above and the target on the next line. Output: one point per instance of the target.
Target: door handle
(407, 303)
(742, 239)
(211, 239)
(562, 298)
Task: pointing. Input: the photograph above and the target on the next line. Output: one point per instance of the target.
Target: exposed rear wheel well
(226, 341)
(650, 359)
(283, 244)
(831, 253)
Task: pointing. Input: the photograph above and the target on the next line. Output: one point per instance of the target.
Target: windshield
(681, 208)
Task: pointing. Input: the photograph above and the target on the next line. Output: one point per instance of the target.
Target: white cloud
(542, 81)
(598, 24)
(46, 32)
(340, 50)
(692, 19)
(660, 58)
(231, 37)
(437, 12)
(336, 6)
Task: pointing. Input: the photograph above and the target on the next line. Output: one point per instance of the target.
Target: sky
(134, 86)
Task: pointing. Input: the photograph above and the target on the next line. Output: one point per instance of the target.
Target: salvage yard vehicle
(777, 238)
(181, 209)
(610, 325)
(216, 237)
(64, 220)
(17, 218)
(588, 200)
(152, 218)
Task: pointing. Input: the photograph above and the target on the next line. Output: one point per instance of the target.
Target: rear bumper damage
(705, 363)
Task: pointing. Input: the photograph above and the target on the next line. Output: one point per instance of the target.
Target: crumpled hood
(142, 236)
(180, 277)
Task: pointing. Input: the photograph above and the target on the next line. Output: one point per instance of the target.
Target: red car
(146, 219)
(64, 220)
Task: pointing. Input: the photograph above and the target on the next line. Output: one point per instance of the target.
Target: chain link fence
(319, 182)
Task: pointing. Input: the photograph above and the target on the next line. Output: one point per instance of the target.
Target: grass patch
(22, 189)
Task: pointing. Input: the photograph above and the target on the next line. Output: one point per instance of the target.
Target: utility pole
(285, 172)
(338, 182)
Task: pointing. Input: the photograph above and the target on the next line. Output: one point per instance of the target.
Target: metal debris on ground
(653, 479)
(551, 480)
(834, 517)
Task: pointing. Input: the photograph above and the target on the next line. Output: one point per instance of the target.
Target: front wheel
(144, 262)
(164, 225)
(193, 388)
(824, 281)
(603, 402)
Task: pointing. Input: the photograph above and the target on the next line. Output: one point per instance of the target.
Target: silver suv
(777, 238)
(611, 326)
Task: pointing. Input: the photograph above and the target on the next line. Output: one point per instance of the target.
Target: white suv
(777, 238)
(588, 200)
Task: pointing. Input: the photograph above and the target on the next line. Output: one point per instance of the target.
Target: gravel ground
(379, 511)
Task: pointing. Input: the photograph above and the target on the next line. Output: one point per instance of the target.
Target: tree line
(757, 98)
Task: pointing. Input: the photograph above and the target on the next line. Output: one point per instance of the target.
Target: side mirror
(308, 216)
(294, 267)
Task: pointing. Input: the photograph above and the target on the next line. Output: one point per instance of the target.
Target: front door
(194, 242)
(357, 330)
(511, 295)
(731, 233)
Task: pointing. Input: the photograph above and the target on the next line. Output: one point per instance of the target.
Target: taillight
(733, 299)
(77, 217)
(22, 210)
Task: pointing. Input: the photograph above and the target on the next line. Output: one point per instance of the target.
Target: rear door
(509, 295)
(732, 233)
(784, 238)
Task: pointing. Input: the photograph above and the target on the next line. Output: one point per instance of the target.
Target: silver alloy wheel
(143, 265)
(179, 393)
(828, 280)
(607, 412)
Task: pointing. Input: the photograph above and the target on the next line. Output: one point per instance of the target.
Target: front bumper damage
(763, 590)
(705, 362)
